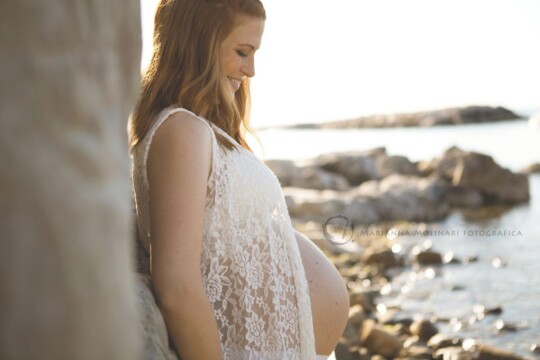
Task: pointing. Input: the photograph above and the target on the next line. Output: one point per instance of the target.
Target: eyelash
(241, 53)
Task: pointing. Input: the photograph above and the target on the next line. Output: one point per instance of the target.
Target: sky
(321, 62)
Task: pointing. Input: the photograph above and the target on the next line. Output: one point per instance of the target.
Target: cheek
(231, 64)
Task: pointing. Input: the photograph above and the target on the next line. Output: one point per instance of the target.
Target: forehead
(247, 31)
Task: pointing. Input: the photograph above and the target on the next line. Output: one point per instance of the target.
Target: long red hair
(185, 69)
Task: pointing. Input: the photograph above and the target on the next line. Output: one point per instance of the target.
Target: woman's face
(237, 53)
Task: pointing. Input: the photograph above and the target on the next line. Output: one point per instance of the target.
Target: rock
(503, 326)
(479, 171)
(470, 259)
(312, 177)
(394, 317)
(378, 341)
(453, 353)
(531, 169)
(428, 257)
(308, 176)
(464, 197)
(440, 341)
(356, 167)
(397, 197)
(343, 352)
(411, 199)
(313, 205)
(285, 170)
(412, 341)
(69, 78)
(451, 116)
(362, 211)
(427, 167)
(390, 165)
(480, 309)
(356, 316)
(362, 299)
(384, 259)
(424, 329)
(486, 352)
(419, 352)
(535, 348)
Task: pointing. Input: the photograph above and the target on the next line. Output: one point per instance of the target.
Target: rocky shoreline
(451, 116)
(381, 194)
(372, 186)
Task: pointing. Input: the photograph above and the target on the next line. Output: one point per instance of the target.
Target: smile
(235, 83)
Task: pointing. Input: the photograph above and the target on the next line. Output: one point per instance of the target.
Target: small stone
(501, 326)
(441, 341)
(452, 353)
(356, 315)
(486, 352)
(428, 257)
(343, 352)
(493, 311)
(384, 259)
(470, 259)
(360, 298)
(419, 352)
(424, 329)
(535, 348)
(378, 341)
(412, 341)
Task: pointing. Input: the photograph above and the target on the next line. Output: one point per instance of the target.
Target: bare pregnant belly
(328, 293)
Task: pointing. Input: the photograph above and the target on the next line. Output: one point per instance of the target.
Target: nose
(249, 67)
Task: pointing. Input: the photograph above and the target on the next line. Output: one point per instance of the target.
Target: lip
(235, 83)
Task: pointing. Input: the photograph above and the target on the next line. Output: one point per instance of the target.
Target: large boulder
(395, 164)
(400, 197)
(480, 172)
(313, 205)
(306, 176)
(285, 170)
(355, 166)
(312, 177)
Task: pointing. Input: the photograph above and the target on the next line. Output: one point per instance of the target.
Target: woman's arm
(178, 166)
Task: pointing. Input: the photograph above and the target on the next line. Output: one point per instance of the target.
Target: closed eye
(240, 53)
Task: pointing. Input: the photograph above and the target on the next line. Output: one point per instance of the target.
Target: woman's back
(250, 262)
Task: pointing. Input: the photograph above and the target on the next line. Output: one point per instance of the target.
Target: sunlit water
(513, 144)
(515, 286)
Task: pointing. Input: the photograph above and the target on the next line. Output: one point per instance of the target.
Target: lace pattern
(250, 262)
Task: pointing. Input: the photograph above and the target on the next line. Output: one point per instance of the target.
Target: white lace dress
(251, 264)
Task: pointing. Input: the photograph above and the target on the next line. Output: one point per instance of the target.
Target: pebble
(424, 329)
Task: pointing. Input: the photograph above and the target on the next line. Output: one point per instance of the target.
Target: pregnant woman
(231, 276)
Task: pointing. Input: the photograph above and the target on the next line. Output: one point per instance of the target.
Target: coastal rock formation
(308, 177)
(70, 74)
(531, 169)
(400, 197)
(370, 186)
(480, 172)
(452, 116)
(356, 167)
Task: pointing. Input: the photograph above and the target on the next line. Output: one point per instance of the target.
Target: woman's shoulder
(182, 117)
(181, 136)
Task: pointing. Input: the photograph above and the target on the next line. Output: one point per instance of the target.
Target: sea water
(507, 272)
